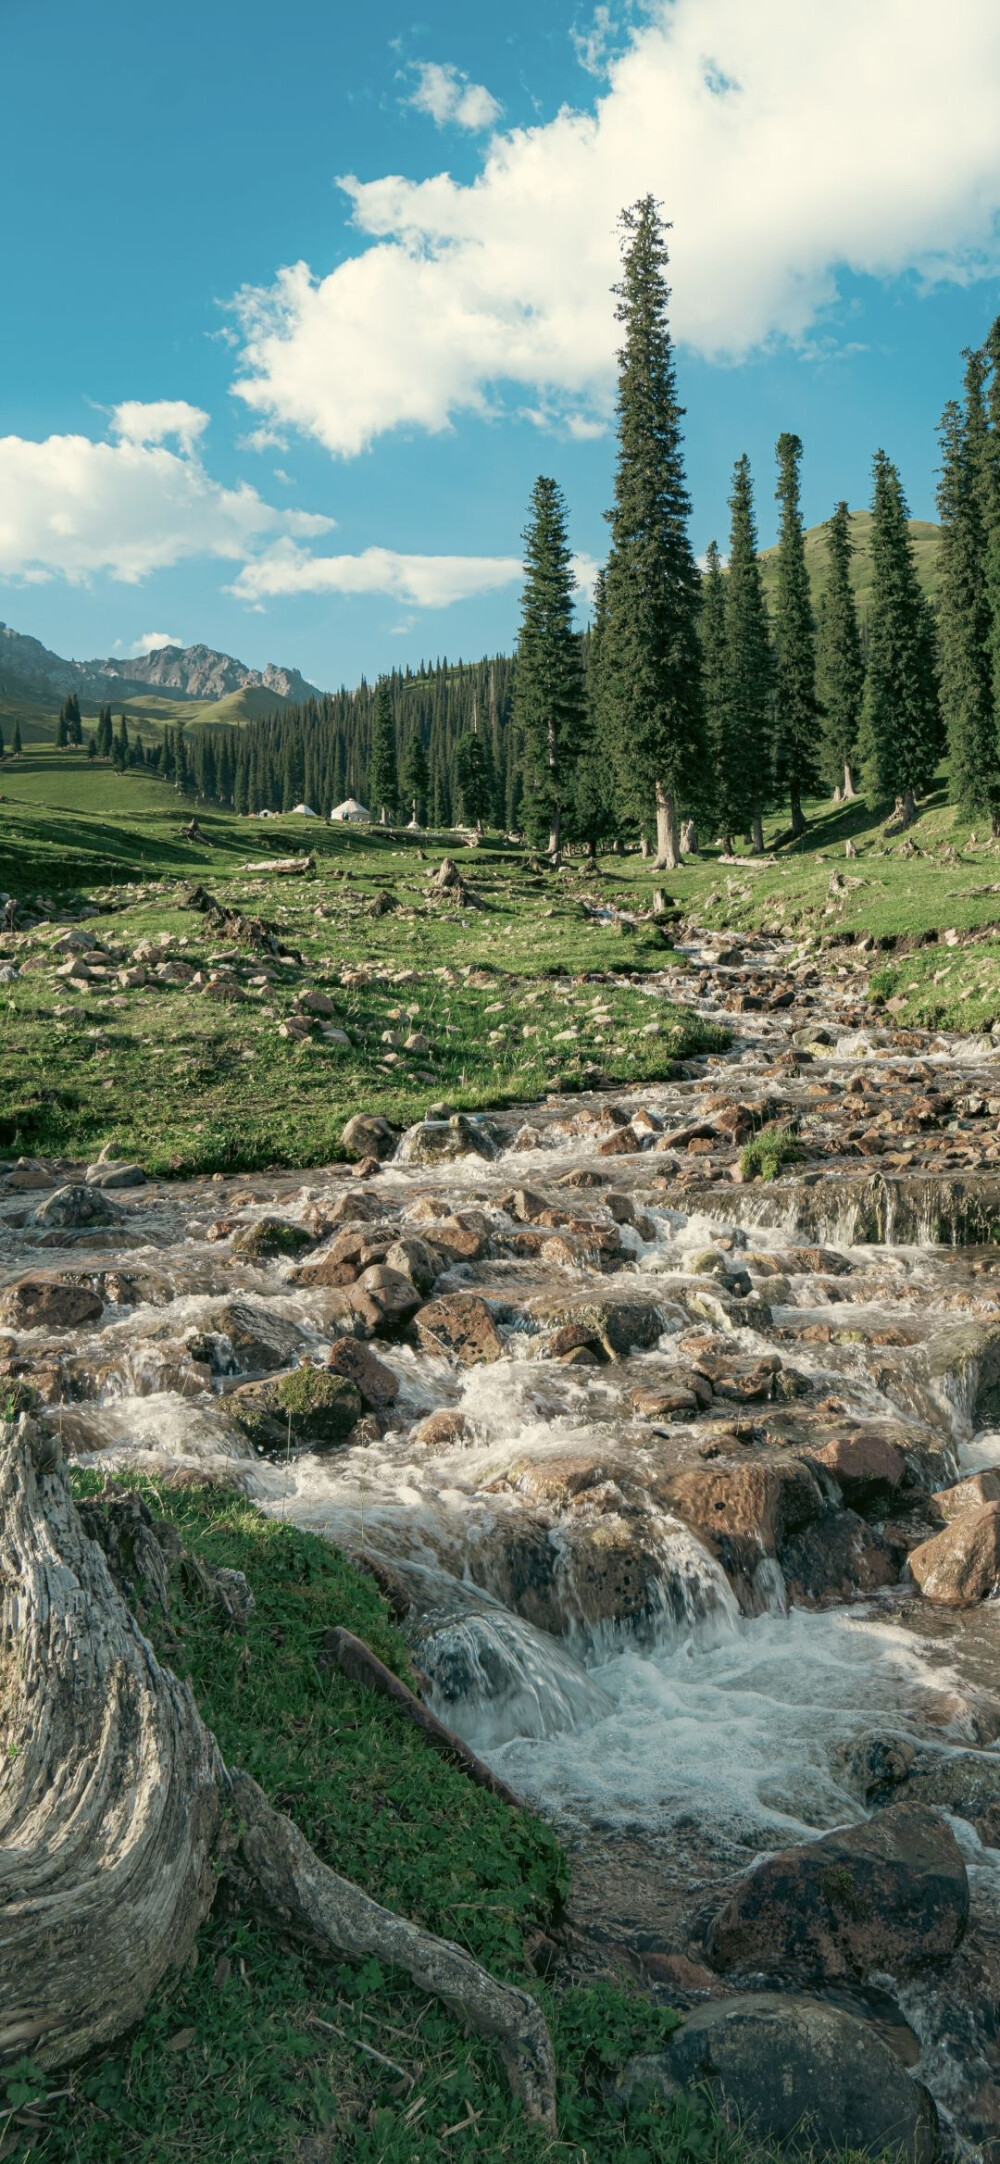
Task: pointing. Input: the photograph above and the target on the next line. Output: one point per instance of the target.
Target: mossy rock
(271, 1237)
(311, 1408)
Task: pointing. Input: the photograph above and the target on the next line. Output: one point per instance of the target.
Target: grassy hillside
(925, 536)
(152, 712)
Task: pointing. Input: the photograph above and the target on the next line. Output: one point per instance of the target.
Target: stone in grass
(369, 1135)
(74, 1207)
(271, 1237)
(792, 2069)
(112, 1174)
(889, 1894)
(306, 1408)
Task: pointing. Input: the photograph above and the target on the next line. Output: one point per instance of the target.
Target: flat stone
(46, 1301)
(794, 2070)
(115, 1175)
(459, 1327)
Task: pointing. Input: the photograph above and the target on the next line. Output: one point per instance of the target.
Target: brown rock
(961, 1565)
(757, 1502)
(376, 1383)
(574, 1337)
(46, 1301)
(460, 1327)
(417, 1260)
(440, 1429)
(394, 1297)
(838, 1558)
(867, 1468)
(524, 1204)
(889, 1894)
(666, 1402)
(461, 1238)
(968, 1494)
(623, 1143)
(368, 1135)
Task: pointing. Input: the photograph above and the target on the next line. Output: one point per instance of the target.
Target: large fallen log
(117, 1814)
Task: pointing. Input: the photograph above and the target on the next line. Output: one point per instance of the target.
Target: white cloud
(427, 582)
(71, 507)
(450, 98)
(149, 642)
(784, 142)
(593, 45)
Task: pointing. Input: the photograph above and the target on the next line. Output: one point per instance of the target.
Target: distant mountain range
(32, 671)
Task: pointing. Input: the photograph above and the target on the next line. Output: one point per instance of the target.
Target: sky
(296, 303)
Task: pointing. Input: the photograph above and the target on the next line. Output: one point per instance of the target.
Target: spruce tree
(416, 777)
(652, 658)
(2, 752)
(62, 729)
(472, 779)
(796, 707)
(548, 682)
(714, 679)
(964, 620)
(841, 670)
(16, 745)
(595, 809)
(383, 781)
(744, 757)
(91, 747)
(74, 724)
(901, 722)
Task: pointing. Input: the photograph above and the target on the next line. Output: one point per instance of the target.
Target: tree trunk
(728, 849)
(994, 824)
(758, 829)
(592, 852)
(668, 855)
(554, 824)
(117, 1812)
(689, 839)
(798, 822)
(849, 788)
(644, 844)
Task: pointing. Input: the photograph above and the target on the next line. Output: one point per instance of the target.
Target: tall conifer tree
(383, 778)
(595, 814)
(652, 657)
(796, 709)
(744, 773)
(715, 679)
(901, 722)
(416, 777)
(964, 623)
(841, 670)
(548, 683)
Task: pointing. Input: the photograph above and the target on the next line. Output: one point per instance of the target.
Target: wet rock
(440, 1430)
(369, 1135)
(619, 1326)
(115, 1175)
(378, 1387)
(461, 1237)
(434, 1142)
(46, 1301)
(523, 1204)
(961, 1566)
(458, 1327)
(839, 1558)
(576, 1342)
(964, 1363)
(353, 1251)
(73, 1207)
(742, 1508)
(417, 1260)
(270, 1238)
(794, 2070)
(869, 1765)
(307, 1407)
(664, 1402)
(382, 1301)
(239, 1334)
(867, 1468)
(890, 1894)
(968, 1494)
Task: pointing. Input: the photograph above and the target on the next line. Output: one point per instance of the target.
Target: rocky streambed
(684, 1484)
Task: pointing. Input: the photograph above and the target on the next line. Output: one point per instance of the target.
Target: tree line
(685, 700)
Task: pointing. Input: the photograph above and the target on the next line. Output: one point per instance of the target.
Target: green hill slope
(924, 534)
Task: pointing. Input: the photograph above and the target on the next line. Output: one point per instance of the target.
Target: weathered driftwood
(356, 1660)
(117, 1812)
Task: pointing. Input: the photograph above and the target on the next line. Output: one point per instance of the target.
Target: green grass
(261, 2054)
(925, 538)
(767, 1154)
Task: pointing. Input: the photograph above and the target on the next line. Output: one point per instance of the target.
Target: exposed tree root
(116, 1810)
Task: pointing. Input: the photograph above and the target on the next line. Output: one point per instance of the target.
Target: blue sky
(833, 186)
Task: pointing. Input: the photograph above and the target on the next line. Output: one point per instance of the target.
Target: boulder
(867, 1765)
(757, 1502)
(460, 1327)
(462, 1238)
(368, 1135)
(376, 1384)
(270, 1238)
(794, 2070)
(238, 1334)
(353, 1251)
(968, 1494)
(838, 1558)
(115, 1174)
(618, 1326)
(46, 1301)
(386, 1298)
(434, 1142)
(417, 1260)
(961, 1565)
(889, 1894)
(867, 1468)
(74, 1207)
(441, 1429)
(309, 1408)
(963, 1362)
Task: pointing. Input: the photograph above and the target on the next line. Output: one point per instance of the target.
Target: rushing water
(570, 1626)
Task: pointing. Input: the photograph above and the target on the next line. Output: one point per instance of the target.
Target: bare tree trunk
(644, 844)
(798, 822)
(728, 849)
(554, 826)
(758, 829)
(668, 854)
(116, 1811)
(849, 788)
(592, 852)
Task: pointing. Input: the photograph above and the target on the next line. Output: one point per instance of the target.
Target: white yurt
(350, 810)
(304, 811)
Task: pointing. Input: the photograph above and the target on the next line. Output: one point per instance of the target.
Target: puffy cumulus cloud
(428, 582)
(451, 100)
(784, 142)
(71, 507)
(149, 642)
